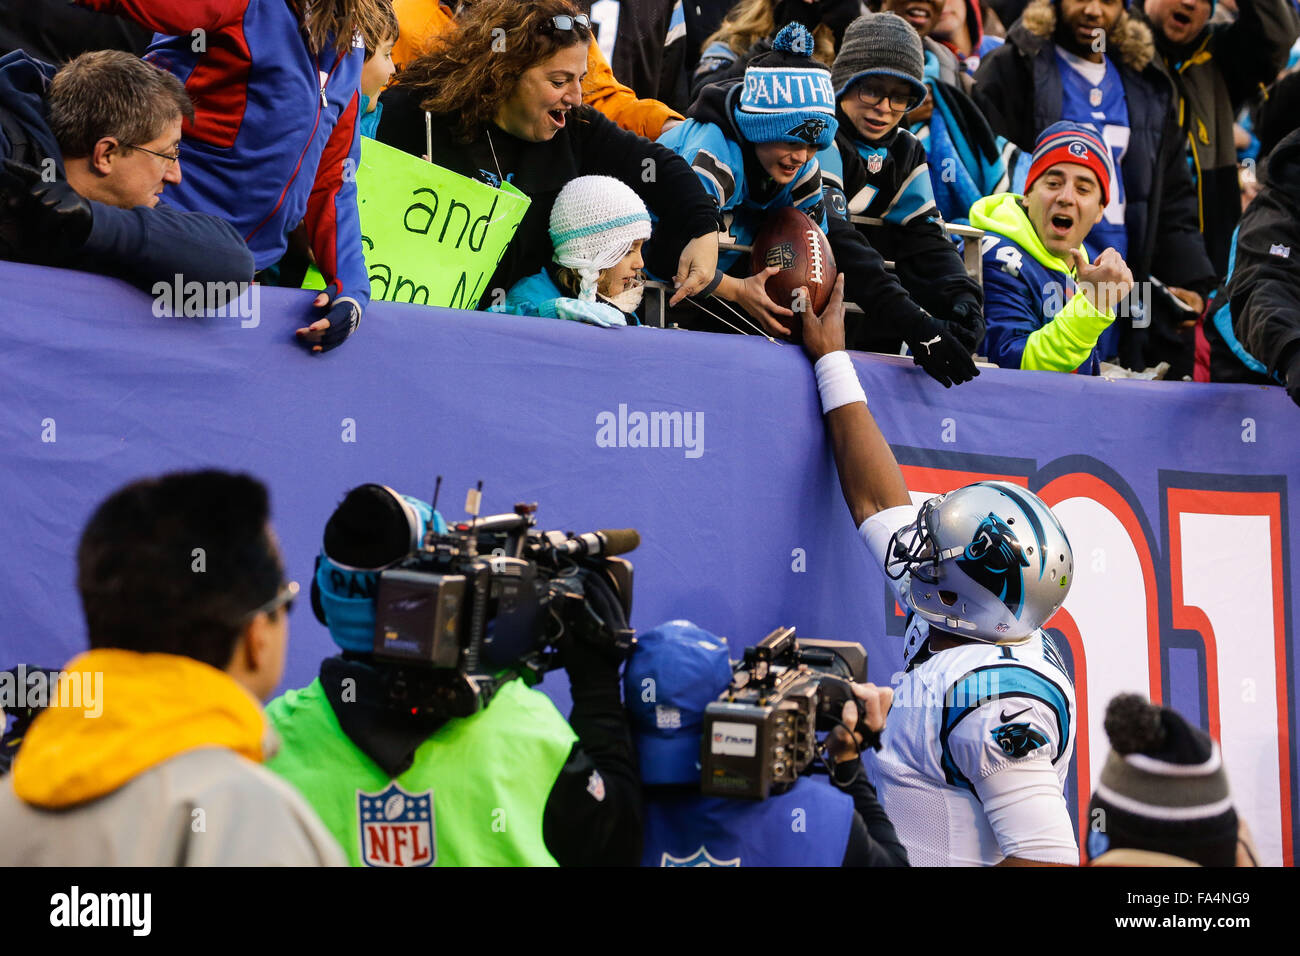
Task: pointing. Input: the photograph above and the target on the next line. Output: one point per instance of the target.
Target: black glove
(596, 638)
(344, 317)
(942, 356)
(54, 218)
(966, 323)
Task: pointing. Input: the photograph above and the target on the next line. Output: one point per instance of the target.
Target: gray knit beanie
(1163, 788)
(881, 43)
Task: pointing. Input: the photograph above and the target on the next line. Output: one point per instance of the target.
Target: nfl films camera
(489, 600)
(761, 734)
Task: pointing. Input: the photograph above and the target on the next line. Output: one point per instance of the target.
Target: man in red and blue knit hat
(1090, 61)
(1048, 307)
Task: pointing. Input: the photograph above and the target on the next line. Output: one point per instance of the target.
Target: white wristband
(837, 381)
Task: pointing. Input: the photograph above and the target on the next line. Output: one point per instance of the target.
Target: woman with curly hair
(500, 98)
(423, 20)
(275, 129)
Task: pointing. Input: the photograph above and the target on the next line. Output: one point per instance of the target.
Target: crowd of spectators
(908, 119)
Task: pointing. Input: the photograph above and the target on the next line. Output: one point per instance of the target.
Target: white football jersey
(976, 749)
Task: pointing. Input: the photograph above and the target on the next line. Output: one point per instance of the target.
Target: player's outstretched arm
(869, 473)
(1020, 861)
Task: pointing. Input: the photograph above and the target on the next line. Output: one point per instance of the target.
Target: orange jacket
(421, 20)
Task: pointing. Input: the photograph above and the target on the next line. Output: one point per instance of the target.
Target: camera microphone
(608, 541)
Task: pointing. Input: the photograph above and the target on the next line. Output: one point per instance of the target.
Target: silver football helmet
(988, 561)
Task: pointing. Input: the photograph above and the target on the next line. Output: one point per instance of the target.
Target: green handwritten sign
(432, 236)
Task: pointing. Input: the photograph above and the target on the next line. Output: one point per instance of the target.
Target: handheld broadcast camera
(489, 600)
(761, 733)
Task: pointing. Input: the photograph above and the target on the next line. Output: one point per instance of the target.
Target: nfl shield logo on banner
(396, 828)
(701, 857)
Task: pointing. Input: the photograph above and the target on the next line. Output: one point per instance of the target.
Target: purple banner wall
(1175, 496)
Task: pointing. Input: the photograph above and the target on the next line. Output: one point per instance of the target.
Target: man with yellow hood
(187, 612)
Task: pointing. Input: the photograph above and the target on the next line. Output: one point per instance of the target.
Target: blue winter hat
(677, 670)
(786, 96)
(346, 592)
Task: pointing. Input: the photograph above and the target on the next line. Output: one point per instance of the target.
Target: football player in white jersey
(974, 757)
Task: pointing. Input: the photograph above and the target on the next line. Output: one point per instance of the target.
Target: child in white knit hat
(598, 224)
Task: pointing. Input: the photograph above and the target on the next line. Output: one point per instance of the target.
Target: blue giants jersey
(808, 825)
(1103, 105)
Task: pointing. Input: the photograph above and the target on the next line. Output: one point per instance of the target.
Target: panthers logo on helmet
(993, 560)
(810, 130)
(1016, 740)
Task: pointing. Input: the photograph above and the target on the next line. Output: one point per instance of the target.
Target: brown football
(792, 241)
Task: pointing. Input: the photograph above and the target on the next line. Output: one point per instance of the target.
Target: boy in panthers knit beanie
(787, 96)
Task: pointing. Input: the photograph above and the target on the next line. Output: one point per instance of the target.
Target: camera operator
(511, 784)
(677, 670)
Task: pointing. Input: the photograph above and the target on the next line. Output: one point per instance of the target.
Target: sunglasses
(565, 22)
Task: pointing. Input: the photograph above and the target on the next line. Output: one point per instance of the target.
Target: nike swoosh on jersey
(1005, 716)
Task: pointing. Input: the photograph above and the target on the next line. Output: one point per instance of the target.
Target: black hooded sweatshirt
(1265, 285)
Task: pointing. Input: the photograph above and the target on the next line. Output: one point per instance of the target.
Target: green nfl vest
(473, 796)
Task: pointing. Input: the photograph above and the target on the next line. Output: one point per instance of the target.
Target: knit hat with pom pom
(594, 221)
(1163, 788)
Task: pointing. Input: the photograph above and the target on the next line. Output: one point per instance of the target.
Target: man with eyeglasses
(877, 168)
(187, 614)
(88, 150)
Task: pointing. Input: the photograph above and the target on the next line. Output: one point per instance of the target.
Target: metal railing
(657, 293)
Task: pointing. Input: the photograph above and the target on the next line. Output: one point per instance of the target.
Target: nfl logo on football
(396, 828)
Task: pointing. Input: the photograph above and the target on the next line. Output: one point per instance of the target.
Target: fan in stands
(795, 244)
